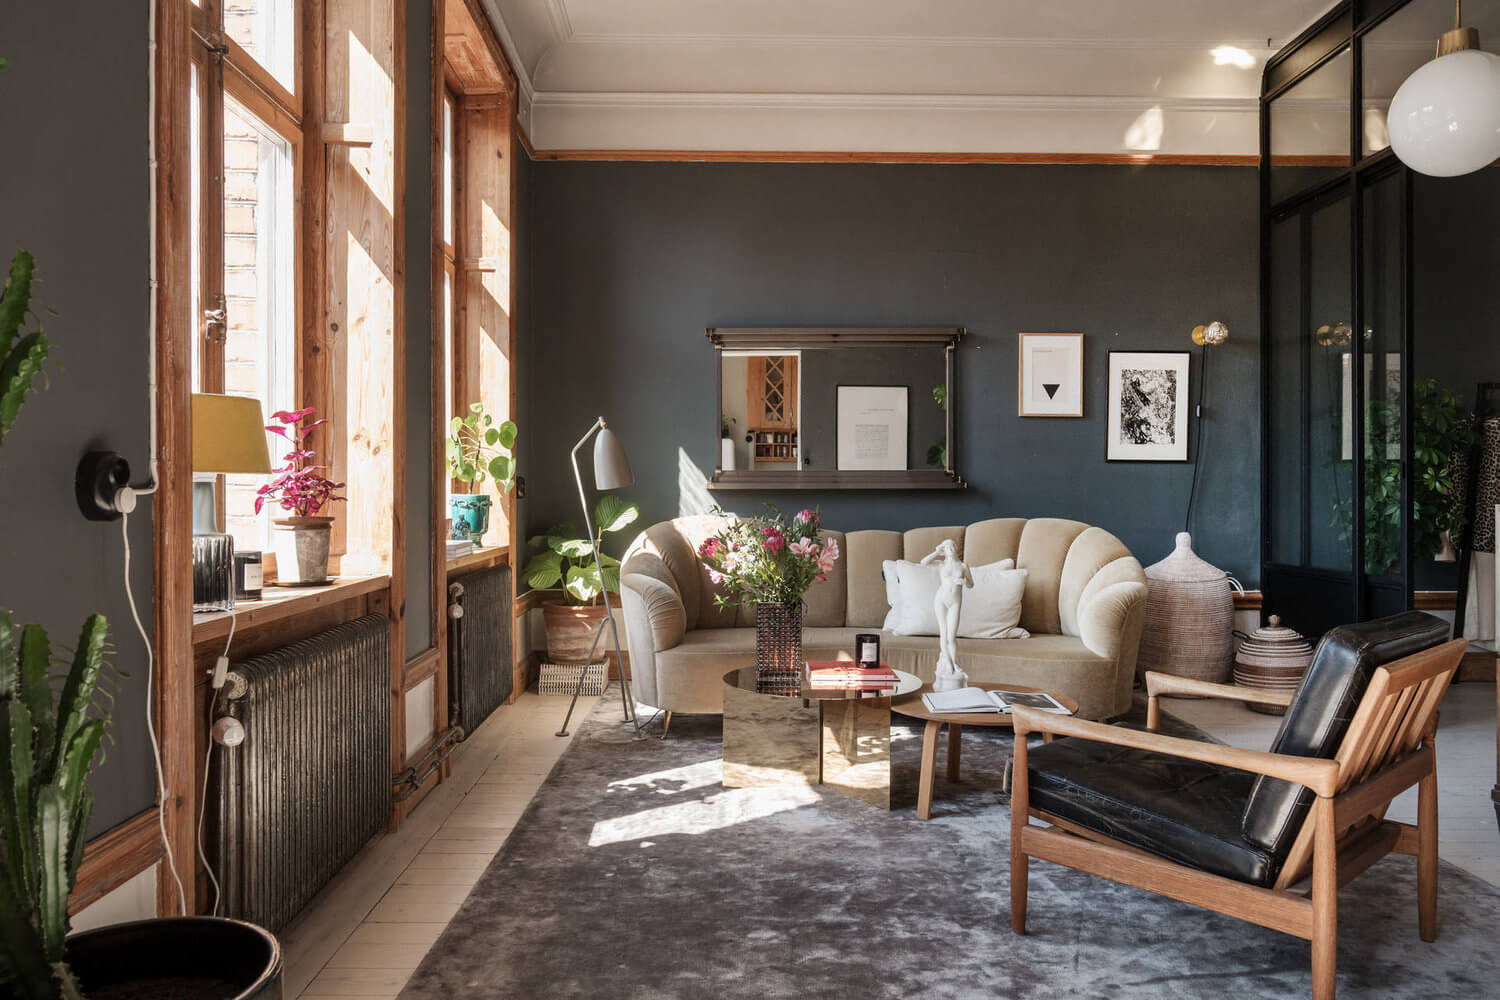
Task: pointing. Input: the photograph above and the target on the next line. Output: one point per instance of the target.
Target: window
(450, 252)
(245, 143)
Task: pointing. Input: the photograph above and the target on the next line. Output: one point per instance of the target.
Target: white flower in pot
(300, 541)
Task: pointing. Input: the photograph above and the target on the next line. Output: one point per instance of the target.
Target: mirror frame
(837, 338)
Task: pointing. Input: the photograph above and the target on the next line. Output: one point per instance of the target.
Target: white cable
(161, 783)
(208, 756)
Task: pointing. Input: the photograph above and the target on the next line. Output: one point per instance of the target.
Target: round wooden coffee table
(912, 707)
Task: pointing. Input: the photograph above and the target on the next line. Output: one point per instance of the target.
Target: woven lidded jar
(1272, 658)
(1189, 626)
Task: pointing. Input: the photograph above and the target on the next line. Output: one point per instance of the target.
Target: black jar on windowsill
(248, 578)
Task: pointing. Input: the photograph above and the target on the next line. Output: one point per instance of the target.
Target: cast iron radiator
(311, 783)
(480, 651)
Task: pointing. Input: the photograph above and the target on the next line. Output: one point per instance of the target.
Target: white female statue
(953, 577)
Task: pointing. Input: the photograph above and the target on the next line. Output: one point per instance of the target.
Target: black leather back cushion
(1319, 716)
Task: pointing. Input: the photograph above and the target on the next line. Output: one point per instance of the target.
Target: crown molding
(884, 102)
(517, 64)
(680, 39)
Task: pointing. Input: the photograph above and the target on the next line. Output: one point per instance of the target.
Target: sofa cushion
(910, 588)
(1319, 716)
(1050, 662)
(918, 543)
(990, 541)
(827, 601)
(992, 607)
(1181, 810)
(864, 551)
(664, 541)
(664, 611)
(1042, 550)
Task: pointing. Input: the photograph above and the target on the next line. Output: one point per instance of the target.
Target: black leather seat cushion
(1319, 716)
(1177, 809)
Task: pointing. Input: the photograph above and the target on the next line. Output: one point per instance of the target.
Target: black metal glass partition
(1371, 334)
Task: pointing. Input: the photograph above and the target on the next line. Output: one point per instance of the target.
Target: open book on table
(973, 700)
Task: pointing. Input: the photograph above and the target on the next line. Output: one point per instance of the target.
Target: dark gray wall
(630, 262)
(73, 191)
(418, 249)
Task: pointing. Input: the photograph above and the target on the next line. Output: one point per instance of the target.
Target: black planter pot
(177, 958)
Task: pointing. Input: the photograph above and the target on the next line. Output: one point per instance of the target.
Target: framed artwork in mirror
(871, 428)
(1050, 375)
(1148, 406)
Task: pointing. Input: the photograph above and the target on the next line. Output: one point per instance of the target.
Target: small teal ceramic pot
(471, 515)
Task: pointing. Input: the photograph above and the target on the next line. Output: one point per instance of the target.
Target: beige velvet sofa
(1084, 603)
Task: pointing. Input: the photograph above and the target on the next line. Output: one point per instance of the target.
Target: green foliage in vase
(566, 559)
(1442, 432)
(937, 454)
(21, 352)
(480, 449)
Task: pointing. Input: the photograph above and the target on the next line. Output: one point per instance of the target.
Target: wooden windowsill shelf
(279, 603)
(480, 558)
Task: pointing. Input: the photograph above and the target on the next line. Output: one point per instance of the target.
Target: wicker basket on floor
(562, 678)
(1189, 626)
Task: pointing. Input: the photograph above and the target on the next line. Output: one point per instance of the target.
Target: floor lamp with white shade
(611, 472)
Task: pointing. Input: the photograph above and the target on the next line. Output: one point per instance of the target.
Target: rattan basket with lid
(1272, 658)
(1189, 626)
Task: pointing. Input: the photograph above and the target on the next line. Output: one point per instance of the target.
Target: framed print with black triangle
(1051, 375)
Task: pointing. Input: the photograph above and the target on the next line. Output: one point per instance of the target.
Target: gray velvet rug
(635, 874)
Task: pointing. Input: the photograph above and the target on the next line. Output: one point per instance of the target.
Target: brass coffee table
(912, 707)
(836, 738)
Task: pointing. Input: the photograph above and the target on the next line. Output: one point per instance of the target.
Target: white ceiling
(1052, 76)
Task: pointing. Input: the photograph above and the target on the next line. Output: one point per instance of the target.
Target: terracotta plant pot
(301, 547)
(570, 632)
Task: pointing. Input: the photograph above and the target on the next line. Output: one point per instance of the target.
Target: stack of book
(841, 675)
(459, 547)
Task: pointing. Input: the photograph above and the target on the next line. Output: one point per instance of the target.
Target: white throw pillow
(911, 587)
(991, 609)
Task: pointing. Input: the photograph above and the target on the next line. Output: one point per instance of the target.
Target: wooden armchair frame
(1388, 748)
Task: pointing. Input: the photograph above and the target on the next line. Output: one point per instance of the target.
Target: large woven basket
(1189, 627)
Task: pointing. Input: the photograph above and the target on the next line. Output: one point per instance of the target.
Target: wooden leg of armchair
(1020, 808)
(1427, 856)
(1325, 900)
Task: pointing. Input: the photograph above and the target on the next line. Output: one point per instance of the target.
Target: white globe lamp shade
(1445, 119)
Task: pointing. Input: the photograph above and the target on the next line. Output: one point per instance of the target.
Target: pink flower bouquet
(769, 559)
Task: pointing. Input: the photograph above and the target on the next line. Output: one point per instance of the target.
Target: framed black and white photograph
(1050, 375)
(871, 427)
(1148, 406)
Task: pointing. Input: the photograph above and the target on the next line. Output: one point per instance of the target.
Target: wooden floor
(365, 934)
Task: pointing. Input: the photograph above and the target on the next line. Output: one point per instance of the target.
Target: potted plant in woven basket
(566, 560)
(300, 541)
(771, 561)
(478, 449)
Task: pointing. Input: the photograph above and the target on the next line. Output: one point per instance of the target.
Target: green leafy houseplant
(566, 559)
(1442, 432)
(479, 450)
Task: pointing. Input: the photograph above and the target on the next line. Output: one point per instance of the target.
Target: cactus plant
(21, 354)
(47, 746)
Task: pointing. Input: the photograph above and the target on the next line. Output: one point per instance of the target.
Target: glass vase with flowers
(771, 561)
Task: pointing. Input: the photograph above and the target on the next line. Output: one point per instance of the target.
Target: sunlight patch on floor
(726, 809)
(677, 779)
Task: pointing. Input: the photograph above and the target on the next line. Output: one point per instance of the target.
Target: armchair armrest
(1315, 773)
(1159, 685)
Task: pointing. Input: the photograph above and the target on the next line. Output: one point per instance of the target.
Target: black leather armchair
(1235, 830)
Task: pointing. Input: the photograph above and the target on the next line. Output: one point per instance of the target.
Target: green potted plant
(51, 734)
(301, 539)
(565, 559)
(478, 449)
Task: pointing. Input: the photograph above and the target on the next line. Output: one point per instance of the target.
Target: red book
(843, 674)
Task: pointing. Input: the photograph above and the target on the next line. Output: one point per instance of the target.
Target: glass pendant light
(1445, 119)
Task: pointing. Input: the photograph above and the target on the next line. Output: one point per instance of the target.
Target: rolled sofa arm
(1107, 619)
(655, 619)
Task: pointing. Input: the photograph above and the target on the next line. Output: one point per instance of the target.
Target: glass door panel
(1329, 445)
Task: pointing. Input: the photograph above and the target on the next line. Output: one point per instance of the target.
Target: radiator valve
(228, 731)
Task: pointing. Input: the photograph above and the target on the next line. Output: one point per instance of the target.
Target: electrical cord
(208, 756)
(161, 784)
(1187, 520)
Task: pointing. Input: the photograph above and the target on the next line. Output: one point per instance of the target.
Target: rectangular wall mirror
(832, 409)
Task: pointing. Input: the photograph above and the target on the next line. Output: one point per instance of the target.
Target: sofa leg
(1427, 856)
(666, 724)
(1325, 903)
(1020, 808)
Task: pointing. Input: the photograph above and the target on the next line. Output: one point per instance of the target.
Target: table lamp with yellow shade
(229, 438)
